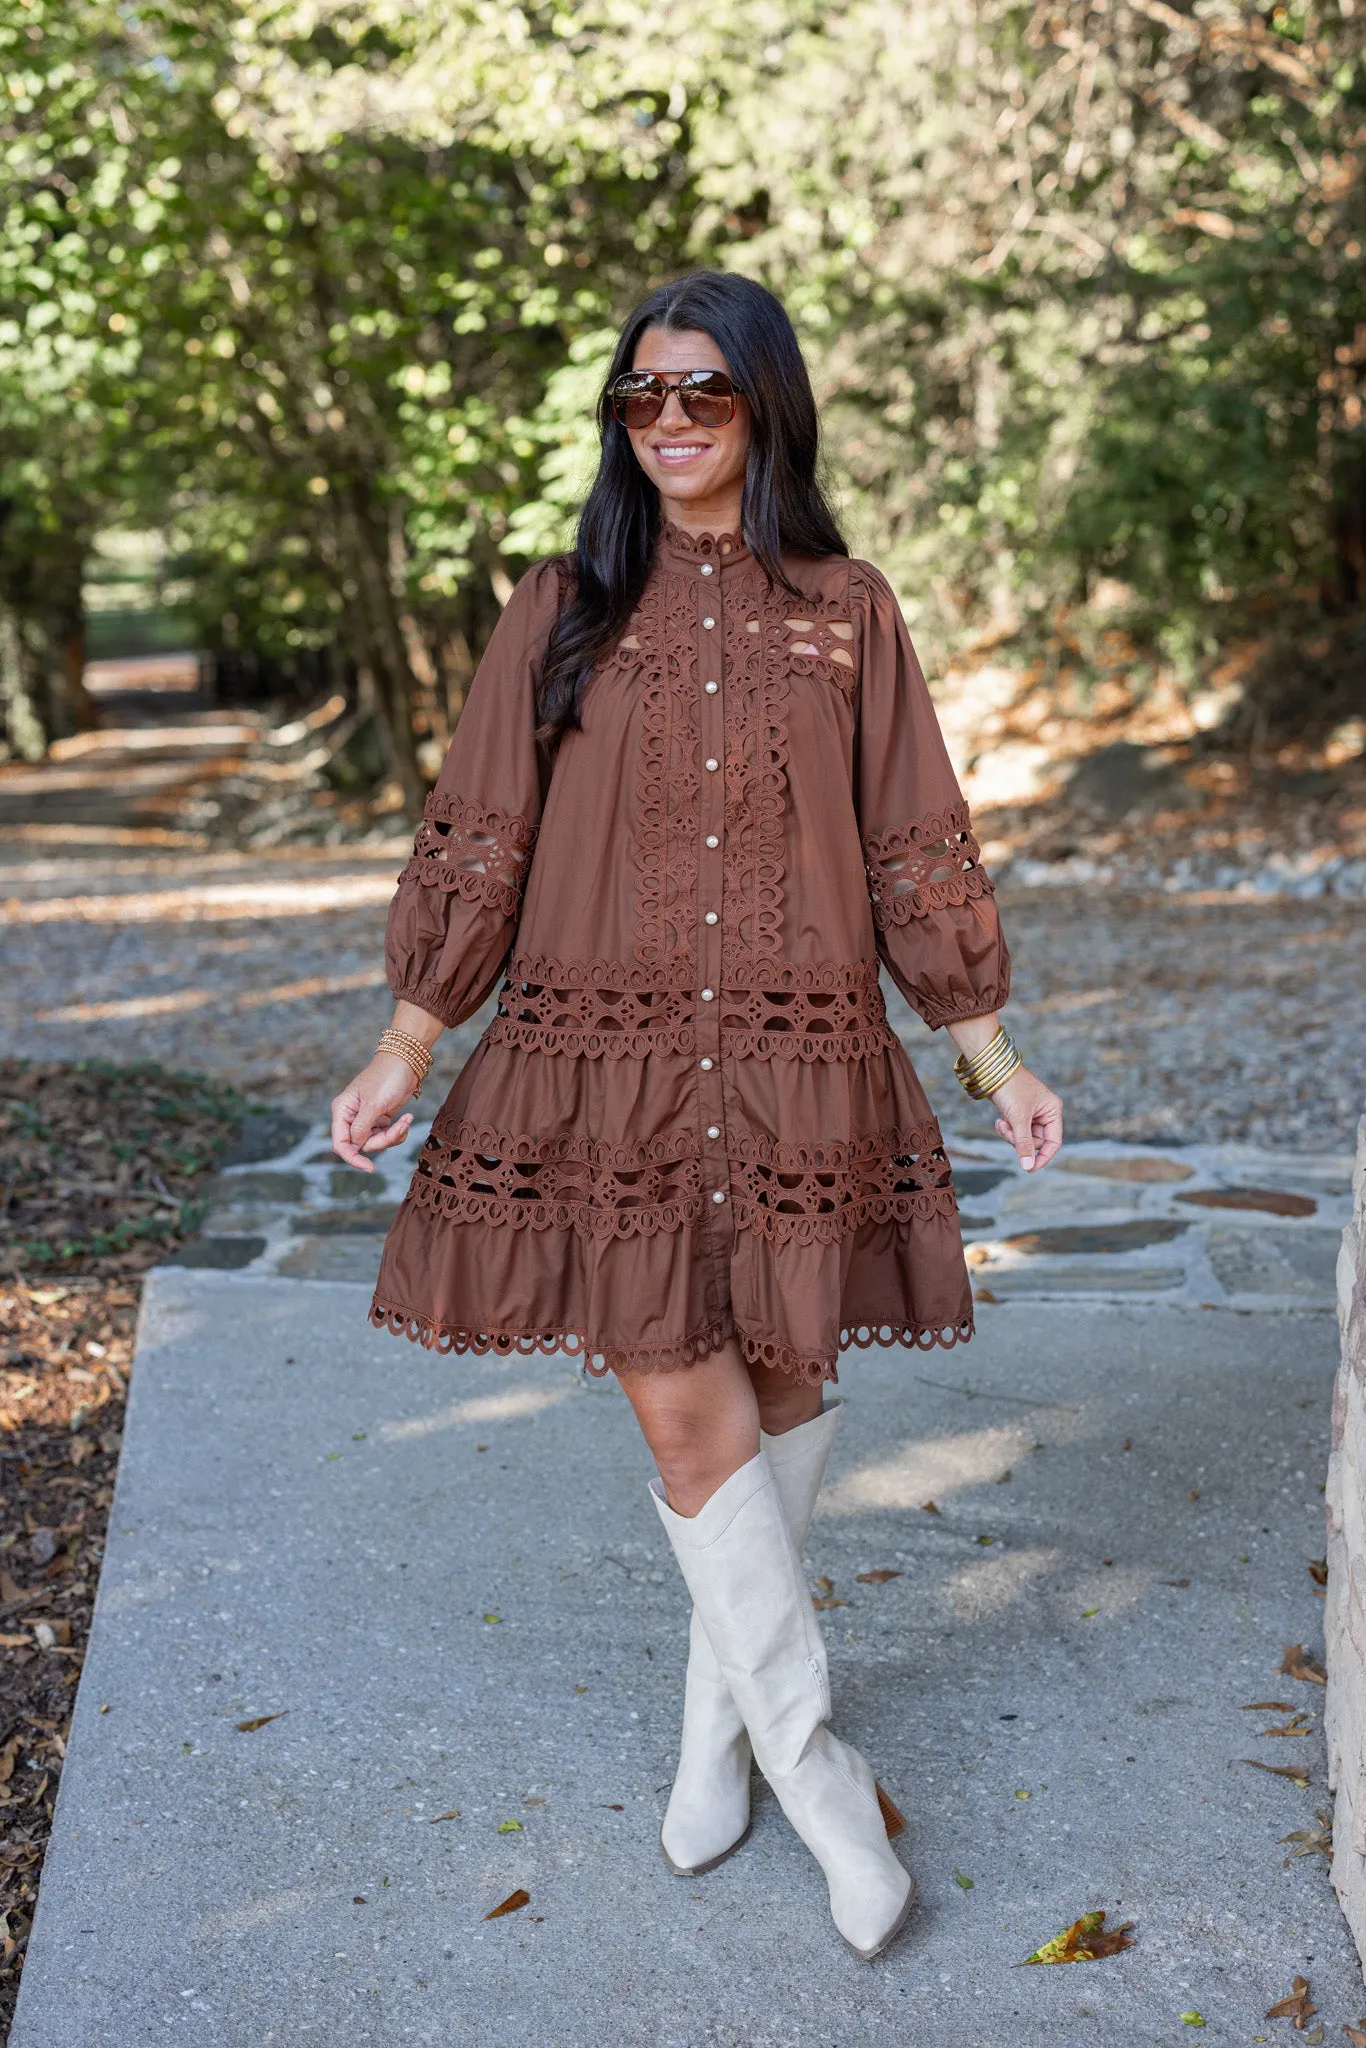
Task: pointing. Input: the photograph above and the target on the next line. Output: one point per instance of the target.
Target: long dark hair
(784, 509)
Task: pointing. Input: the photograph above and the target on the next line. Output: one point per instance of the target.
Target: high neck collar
(690, 550)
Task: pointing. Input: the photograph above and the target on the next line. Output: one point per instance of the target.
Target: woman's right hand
(365, 1115)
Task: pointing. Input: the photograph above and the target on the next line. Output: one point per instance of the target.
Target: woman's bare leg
(784, 1401)
(701, 1422)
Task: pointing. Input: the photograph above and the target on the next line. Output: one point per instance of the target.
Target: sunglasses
(706, 396)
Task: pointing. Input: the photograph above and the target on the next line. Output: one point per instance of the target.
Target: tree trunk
(376, 626)
(22, 727)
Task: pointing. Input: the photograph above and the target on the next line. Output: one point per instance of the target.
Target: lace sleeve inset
(480, 853)
(923, 867)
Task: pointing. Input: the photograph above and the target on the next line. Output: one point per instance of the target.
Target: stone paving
(1228, 1226)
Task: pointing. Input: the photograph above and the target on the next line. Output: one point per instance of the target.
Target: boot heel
(893, 1819)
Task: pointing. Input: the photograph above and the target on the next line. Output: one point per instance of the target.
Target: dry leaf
(1269, 1707)
(1299, 1773)
(10, 1752)
(927, 1507)
(1318, 1570)
(1085, 1941)
(15, 1642)
(829, 1601)
(1356, 2035)
(612, 1807)
(250, 1727)
(1297, 1664)
(824, 1585)
(1314, 2040)
(358, 1900)
(513, 1903)
(11, 1592)
(1299, 2007)
(1312, 1842)
(985, 1294)
(877, 1578)
(81, 1449)
(454, 1814)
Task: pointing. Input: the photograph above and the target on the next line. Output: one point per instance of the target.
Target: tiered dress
(689, 1118)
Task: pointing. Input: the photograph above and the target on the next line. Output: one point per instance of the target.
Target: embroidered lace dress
(689, 1117)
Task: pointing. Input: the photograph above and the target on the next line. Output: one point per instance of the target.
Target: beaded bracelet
(410, 1050)
(982, 1073)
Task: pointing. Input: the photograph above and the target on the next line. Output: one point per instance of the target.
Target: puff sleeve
(934, 910)
(452, 920)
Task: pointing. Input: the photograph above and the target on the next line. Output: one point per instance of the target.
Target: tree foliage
(326, 287)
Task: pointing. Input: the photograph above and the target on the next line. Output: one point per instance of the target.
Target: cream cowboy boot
(743, 1573)
(708, 1812)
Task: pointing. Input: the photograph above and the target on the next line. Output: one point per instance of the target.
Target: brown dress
(689, 1118)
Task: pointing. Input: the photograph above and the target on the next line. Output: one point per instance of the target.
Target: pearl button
(713, 1130)
(706, 568)
(711, 766)
(720, 1195)
(709, 995)
(711, 688)
(712, 839)
(709, 623)
(710, 917)
(705, 1066)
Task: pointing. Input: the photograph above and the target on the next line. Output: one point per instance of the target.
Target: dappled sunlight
(200, 999)
(929, 1468)
(210, 901)
(986, 1589)
(514, 1406)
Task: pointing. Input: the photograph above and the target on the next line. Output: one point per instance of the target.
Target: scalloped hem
(814, 1371)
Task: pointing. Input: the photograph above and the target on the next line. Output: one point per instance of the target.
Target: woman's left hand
(1029, 1117)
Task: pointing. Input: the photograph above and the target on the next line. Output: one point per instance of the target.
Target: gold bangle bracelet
(968, 1065)
(980, 1090)
(984, 1072)
(411, 1051)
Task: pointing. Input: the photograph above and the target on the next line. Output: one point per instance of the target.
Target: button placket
(710, 863)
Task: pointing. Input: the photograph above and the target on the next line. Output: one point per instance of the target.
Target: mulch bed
(99, 1167)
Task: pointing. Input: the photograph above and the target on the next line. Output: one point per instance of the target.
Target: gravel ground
(1157, 1016)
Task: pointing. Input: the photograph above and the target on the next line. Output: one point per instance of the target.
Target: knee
(784, 1402)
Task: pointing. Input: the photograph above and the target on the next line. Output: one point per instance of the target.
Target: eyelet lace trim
(666, 820)
(923, 867)
(473, 1175)
(596, 1009)
(600, 1359)
(818, 1194)
(478, 853)
(702, 545)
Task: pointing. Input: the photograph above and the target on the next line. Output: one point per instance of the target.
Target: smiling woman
(697, 797)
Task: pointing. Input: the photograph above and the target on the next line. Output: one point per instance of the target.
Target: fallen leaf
(509, 1827)
(493, 1617)
(530, 1801)
(81, 1449)
(612, 1807)
(1318, 1570)
(454, 1814)
(15, 1642)
(1356, 2035)
(580, 1688)
(11, 1748)
(1300, 1724)
(10, 1590)
(1269, 1707)
(829, 1601)
(877, 1578)
(1297, 1664)
(250, 1727)
(1192, 2018)
(824, 1585)
(1298, 2007)
(1299, 1773)
(1087, 1612)
(1315, 2039)
(1085, 1941)
(985, 1541)
(1172, 1582)
(1194, 1493)
(513, 1903)
(1024, 1795)
(977, 1255)
(1312, 1842)
(964, 1883)
(358, 1900)
(985, 1294)
(927, 1507)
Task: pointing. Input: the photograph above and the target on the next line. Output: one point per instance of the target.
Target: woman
(697, 792)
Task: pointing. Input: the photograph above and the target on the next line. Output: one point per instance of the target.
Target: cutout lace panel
(701, 545)
(468, 1174)
(758, 687)
(666, 827)
(594, 1009)
(924, 867)
(823, 637)
(817, 1194)
(480, 854)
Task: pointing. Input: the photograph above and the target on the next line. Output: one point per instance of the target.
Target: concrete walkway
(446, 1582)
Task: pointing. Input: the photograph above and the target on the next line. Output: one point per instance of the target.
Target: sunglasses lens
(638, 401)
(708, 398)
